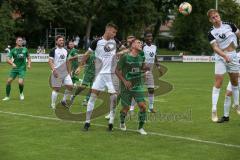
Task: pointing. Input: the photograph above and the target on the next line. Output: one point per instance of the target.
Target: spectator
(39, 50)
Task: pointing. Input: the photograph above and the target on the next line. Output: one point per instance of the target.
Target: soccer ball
(185, 8)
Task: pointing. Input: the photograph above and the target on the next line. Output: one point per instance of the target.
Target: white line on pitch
(132, 130)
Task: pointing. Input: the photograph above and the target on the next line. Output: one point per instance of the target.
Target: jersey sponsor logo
(20, 56)
(223, 36)
(62, 56)
(109, 46)
(151, 54)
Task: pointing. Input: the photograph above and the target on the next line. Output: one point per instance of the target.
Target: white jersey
(105, 52)
(149, 53)
(224, 35)
(59, 57)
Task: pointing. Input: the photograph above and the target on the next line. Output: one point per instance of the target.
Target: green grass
(23, 137)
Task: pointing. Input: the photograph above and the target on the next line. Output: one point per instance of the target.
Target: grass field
(30, 130)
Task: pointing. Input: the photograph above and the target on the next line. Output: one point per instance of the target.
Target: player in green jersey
(73, 58)
(130, 71)
(88, 77)
(17, 59)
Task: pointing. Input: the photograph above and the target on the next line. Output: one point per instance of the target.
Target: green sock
(142, 117)
(21, 88)
(8, 89)
(122, 117)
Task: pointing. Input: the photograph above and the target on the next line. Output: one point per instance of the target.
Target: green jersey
(19, 56)
(73, 52)
(131, 68)
(90, 65)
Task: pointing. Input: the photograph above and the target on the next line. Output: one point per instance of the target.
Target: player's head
(148, 37)
(130, 38)
(70, 44)
(19, 41)
(136, 45)
(111, 30)
(59, 41)
(213, 16)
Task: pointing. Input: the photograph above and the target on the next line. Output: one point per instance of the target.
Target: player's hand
(77, 71)
(29, 66)
(14, 65)
(55, 74)
(128, 84)
(227, 58)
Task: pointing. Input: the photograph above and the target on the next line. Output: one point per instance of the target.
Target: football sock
(142, 118)
(90, 107)
(227, 104)
(151, 100)
(215, 95)
(21, 86)
(235, 93)
(54, 97)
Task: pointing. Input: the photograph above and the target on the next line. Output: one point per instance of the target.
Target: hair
(211, 11)
(18, 37)
(110, 24)
(58, 37)
(147, 33)
(131, 36)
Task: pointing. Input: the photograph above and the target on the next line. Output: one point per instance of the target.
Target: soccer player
(73, 62)
(105, 52)
(60, 70)
(73, 58)
(223, 39)
(227, 101)
(19, 54)
(130, 72)
(150, 54)
(88, 78)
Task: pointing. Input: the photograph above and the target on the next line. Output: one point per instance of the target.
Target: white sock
(215, 95)
(235, 93)
(90, 107)
(65, 95)
(227, 104)
(113, 104)
(132, 105)
(151, 100)
(54, 97)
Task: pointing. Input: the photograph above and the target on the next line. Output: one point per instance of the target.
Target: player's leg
(126, 98)
(150, 85)
(220, 70)
(235, 90)
(142, 117)
(227, 104)
(8, 89)
(21, 86)
(21, 77)
(151, 100)
(68, 91)
(56, 84)
(90, 107)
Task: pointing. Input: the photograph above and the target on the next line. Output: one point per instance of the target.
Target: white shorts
(104, 81)
(60, 81)
(221, 67)
(149, 81)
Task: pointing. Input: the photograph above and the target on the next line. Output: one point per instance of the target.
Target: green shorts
(88, 79)
(17, 72)
(127, 95)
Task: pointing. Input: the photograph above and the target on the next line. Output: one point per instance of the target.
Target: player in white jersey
(105, 52)
(60, 70)
(150, 55)
(223, 39)
(227, 101)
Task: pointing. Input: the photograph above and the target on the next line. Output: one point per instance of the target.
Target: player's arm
(119, 73)
(51, 63)
(216, 48)
(68, 64)
(83, 60)
(235, 29)
(9, 59)
(29, 60)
